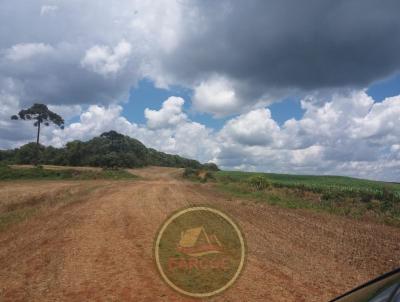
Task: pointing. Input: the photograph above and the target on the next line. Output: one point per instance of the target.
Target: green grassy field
(357, 198)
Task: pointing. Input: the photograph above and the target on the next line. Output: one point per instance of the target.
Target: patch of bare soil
(158, 173)
(101, 248)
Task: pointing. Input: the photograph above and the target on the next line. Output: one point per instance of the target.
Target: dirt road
(99, 247)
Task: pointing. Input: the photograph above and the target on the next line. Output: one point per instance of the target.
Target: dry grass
(52, 167)
(24, 199)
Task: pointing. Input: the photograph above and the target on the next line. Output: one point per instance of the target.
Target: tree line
(110, 149)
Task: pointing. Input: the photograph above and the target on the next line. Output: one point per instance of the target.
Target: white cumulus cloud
(253, 128)
(106, 61)
(217, 96)
(176, 140)
(349, 134)
(169, 115)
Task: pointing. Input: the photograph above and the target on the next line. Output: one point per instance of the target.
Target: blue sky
(388, 87)
(146, 95)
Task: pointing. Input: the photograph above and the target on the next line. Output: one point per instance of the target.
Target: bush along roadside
(199, 175)
(258, 183)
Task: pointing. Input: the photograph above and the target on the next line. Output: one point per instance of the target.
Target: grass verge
(355, 198)
(8, 173)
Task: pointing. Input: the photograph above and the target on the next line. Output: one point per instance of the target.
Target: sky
(260, 85)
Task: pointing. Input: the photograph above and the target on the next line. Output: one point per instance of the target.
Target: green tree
(40, 114)
(28, 154)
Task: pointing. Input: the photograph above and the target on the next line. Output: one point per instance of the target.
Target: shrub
(190, 173)
(333, 195)
(210, 167)
(258, 183)
(366, 196)
(198, 175)
(205, 176)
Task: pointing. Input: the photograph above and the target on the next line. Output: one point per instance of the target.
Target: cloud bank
(350, 134)
(236, 57)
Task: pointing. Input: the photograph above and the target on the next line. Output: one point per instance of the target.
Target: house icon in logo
(196, 242)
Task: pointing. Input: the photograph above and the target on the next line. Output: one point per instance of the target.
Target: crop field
(319, 183)
(358, 198)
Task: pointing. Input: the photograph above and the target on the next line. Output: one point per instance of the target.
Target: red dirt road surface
(95, 243)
